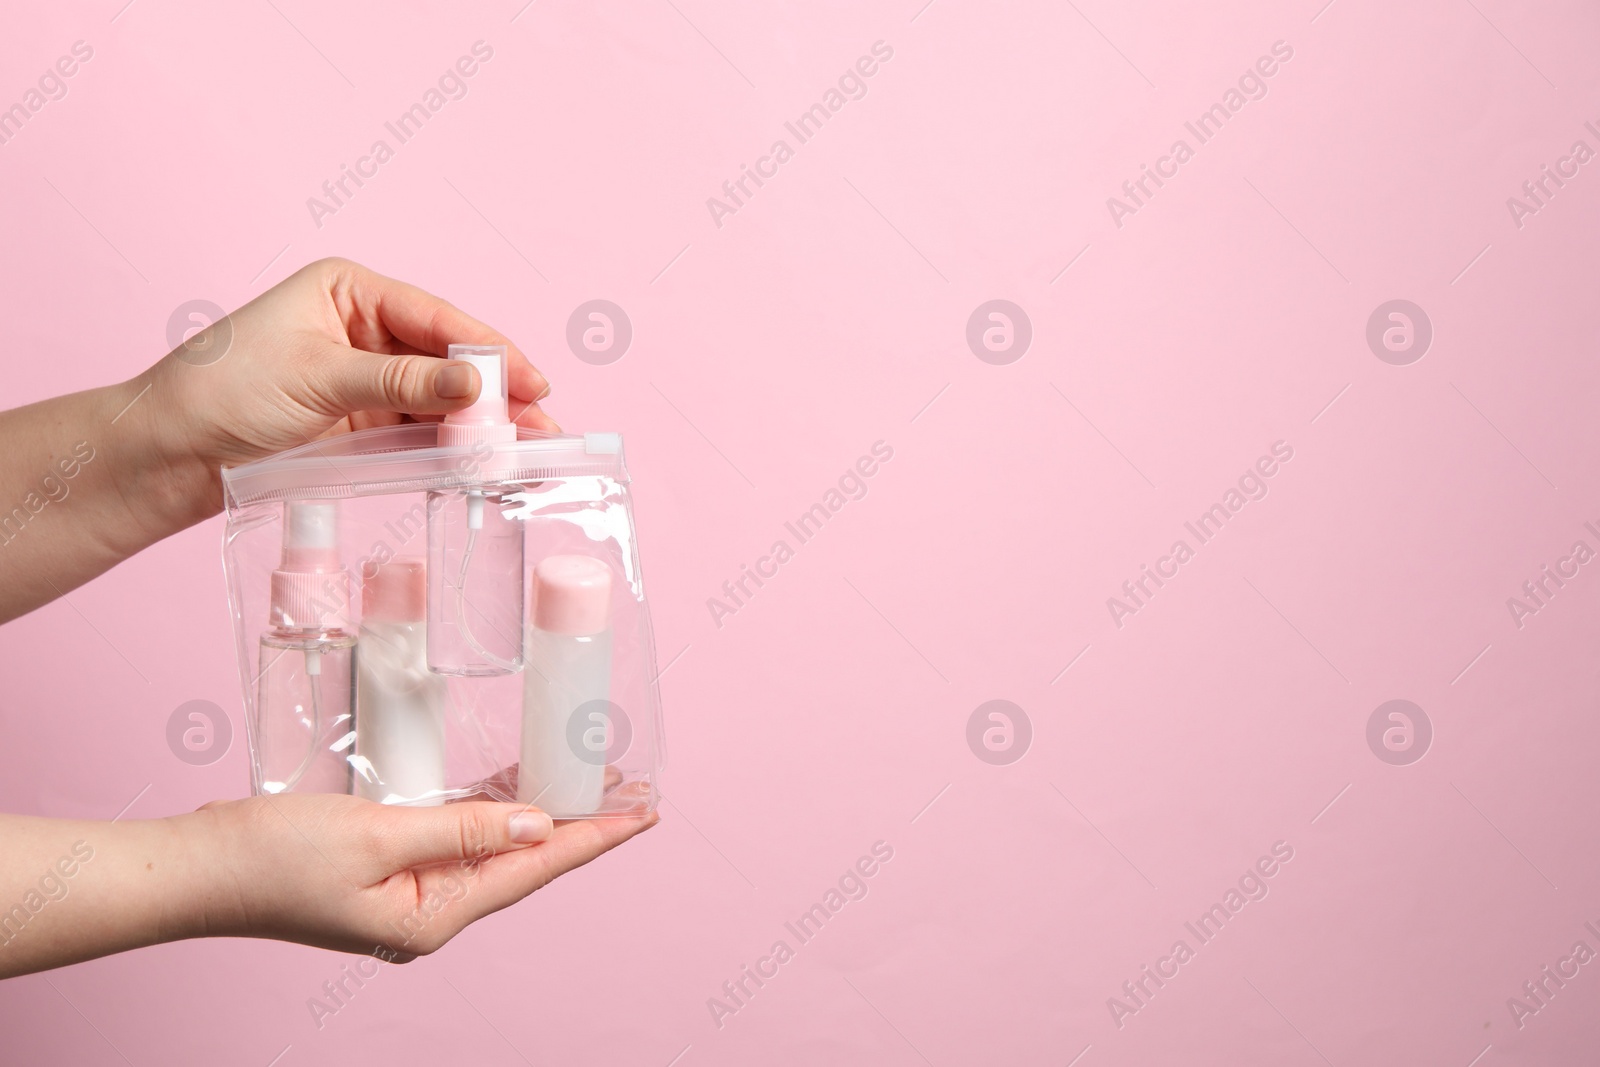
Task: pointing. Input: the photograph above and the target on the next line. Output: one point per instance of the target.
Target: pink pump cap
(396, 592)
(310, 588)
(572, 595)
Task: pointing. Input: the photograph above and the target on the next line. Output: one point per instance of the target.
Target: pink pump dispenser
(310, 588)
(475, 544)
(307, 670)
(488, 418)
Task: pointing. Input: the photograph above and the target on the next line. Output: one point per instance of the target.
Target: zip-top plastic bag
(435, 611)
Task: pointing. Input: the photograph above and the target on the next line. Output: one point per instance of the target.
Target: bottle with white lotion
(306, 697)
(566, 687)
(400, 703)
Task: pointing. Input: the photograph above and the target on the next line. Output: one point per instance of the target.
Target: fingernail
(453, 383)
(530, 826)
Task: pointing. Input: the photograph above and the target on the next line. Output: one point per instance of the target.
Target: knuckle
(436, 331)
(332, 265)
(476, 837)
(403, 378)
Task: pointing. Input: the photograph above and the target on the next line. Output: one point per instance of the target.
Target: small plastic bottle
(566, 687)
(305, 700)
(400, 703)
(475, 550)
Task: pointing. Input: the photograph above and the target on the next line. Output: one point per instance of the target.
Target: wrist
(208, 901)
(164, 482)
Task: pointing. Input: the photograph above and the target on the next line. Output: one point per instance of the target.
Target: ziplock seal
(402, 459)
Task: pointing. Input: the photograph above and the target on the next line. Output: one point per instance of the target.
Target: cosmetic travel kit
(435, 611)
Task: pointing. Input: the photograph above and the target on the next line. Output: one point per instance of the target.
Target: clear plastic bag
(420, 622)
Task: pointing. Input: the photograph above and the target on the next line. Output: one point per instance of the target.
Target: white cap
(492, 405)
(489, 417)
(311, 524)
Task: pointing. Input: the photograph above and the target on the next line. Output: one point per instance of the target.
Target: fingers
(370, 302)
(459, 833)
(532, 416)
(343, 381)
(504, 880)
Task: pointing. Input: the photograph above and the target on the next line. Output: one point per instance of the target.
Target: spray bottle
(475, 548)
(307, 674)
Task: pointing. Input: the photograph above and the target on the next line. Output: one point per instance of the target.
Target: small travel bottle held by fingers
(475, 548)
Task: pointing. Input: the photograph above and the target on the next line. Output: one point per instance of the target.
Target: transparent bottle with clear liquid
(305, 706)
(476, 539)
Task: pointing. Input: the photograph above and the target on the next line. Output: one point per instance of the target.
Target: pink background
(827, 314)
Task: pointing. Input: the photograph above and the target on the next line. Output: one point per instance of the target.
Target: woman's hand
(335, 347)
(332, 348)
(99, 475)
(354, 876)
(334, 872)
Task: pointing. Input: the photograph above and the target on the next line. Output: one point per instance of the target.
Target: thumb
(467, 832)
(353, 380)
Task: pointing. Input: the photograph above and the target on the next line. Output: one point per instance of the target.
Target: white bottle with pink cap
(475, 544)
(400, 703)
(307, 668)
(566, 688)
